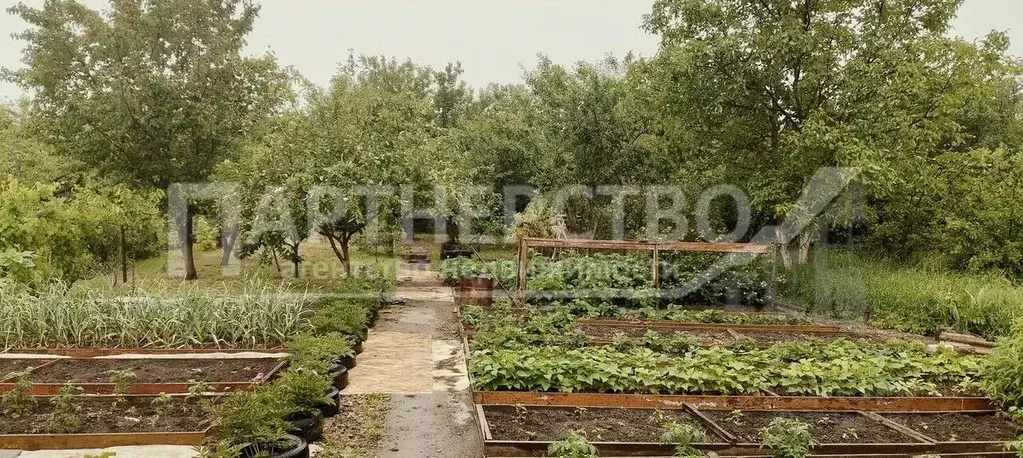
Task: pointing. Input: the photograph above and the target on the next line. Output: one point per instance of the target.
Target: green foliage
(343, 315)
(789, 438)
(162, 405)
(47, 238)
(66, 415)
(574, 445)
(266, 318)
(922, 300)
(122, 380)
(840, 368)
(1002, 375)
(308, 348)
(302, 389)
(18, 402)
(249, 418)
(684, 436)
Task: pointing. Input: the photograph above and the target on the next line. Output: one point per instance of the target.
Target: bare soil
(102, 415)
(826, 428)
(156, 370)
(598, 424)
(608, 333)
(958, 427)
(8, 366)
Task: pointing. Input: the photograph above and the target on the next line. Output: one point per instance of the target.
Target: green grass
(919, 299)
(320, 272)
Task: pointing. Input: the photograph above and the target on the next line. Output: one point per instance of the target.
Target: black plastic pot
(307, 425)
(339, 374)
(347, 361)
(374, 315)
(299, 449)
(334, 407)
(358, 348)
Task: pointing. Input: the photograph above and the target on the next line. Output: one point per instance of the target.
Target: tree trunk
(277, 262)
(295, 259)
(124, 258)
(783, 248)
(347, 261)
(187, 245)
(805, 239)
(228, 242)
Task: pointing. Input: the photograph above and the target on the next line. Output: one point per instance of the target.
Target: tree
(151, 92)
(760, 93)
(367, 130)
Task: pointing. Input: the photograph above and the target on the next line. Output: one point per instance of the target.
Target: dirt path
(414, 354)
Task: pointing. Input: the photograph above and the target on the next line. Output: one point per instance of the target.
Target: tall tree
(153, 92)
(759, 93)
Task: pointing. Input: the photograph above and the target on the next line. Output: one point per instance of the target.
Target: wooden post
(523, 262)
(657, 269)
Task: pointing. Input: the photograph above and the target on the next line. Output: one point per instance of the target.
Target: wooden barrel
(476, 290)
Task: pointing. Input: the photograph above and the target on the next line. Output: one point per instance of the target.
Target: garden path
(415, 355)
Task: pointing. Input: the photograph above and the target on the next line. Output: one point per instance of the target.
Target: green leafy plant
(301, 389)
(574, 445)
(1002, 376)
(307, 348)
(249, 418)
(66, 415)
(122, 380)
(162, 405)
(788, 438)
(18, 402)
(684, 436)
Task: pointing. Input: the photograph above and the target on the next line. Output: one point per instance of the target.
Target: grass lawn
(320, 271)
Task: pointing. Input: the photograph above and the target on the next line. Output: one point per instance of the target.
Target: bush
(1002, 376)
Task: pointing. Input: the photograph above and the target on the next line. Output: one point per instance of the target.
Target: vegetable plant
(684, 436)
(18, 402)
(789, 438)
(574, 445)
(66, 415)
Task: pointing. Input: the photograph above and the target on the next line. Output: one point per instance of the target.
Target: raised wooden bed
(102, 432)
(49, 377)
(870, 404)
(636, 432)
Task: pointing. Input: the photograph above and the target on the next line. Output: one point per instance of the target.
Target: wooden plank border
(801, 403)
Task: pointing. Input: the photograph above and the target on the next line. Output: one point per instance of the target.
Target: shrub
(308, 348)
(301, 389)
(1002, 376)
(18, 402)
(249, 418)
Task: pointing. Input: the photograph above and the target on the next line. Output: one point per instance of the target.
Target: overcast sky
(493, 39)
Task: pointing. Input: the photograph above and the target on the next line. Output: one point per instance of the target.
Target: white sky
(494, 39)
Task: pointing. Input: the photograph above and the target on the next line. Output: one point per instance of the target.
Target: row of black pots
(295, 447)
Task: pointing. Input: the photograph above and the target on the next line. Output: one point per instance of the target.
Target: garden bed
(826, 427)
(12, 365)
(600, 424)
(958, 427)
(108, 421)
(150, 376)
